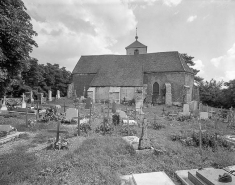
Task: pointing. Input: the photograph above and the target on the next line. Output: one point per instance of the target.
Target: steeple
(136, 47)
(136, 37)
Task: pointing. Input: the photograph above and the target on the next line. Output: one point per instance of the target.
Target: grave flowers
(61, 144)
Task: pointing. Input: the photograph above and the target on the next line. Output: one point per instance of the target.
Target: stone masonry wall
(81, 81)
(131, 51)
(176, 79)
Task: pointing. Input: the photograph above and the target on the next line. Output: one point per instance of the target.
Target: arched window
(136, 52)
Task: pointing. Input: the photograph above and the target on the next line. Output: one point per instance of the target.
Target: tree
(16, 40)
(211, 93)
(189, 60)
(229, 94)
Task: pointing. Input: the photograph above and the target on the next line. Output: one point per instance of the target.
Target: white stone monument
(58, 94)
(71, 113)
(4, 107)
(31, 97)
(49, 95)
(23, 105)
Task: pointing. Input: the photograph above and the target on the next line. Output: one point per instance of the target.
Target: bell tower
(136, 47)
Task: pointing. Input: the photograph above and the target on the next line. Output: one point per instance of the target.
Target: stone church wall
(80, 81)
(101, 93)
(189, 81)
(131, 51)
(176, 79)
(128, 93)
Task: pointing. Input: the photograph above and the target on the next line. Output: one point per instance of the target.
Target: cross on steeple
(136, 37)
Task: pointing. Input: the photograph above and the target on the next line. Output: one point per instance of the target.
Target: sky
(204, 29)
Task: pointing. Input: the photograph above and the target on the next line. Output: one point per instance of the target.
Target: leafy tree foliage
(189, 60)
(16, 40)
(211, 93)
(41, 78)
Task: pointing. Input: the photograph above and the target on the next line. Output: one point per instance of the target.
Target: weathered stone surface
(186, 110)
(132, 140)
(49, 95)
(71, 113)
(168, 98)
(211, 176)
(203, 115)
(154, 178)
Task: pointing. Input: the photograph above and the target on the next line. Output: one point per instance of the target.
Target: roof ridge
(182, 60)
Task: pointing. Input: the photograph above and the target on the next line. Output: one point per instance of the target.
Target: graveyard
(42, 142)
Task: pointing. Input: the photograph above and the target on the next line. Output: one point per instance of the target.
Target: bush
(116, 119)
(124, 131)
(158, 126)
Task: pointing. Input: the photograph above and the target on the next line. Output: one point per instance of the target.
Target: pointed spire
(136, 37)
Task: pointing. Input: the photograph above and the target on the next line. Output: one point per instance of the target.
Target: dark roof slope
(136, 44)
(127, 70)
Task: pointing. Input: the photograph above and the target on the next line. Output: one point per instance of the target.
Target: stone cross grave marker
(4, 107)
(71, 113)
(23, 105)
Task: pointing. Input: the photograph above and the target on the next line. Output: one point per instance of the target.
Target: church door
(155, 93)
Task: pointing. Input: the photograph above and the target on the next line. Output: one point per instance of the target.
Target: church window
(136, 52)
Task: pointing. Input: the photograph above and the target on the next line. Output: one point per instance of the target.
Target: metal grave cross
(58, 131)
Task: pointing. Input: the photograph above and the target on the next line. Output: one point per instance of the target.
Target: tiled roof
(128, 70)
(136, 44)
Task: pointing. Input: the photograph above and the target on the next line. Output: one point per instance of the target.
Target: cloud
(68, 29)
(225, 64)
(172, 2)
(199, 66)
(192, 18)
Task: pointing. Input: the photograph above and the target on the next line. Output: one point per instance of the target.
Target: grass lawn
(96, 159)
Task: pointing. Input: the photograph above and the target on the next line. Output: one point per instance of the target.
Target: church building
(161, 77)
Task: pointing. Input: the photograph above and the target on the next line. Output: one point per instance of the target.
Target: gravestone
(57, 94)
(144, 140)
(132, 140)
(88, 103)
(122, 114)
(71, 113)
(186, 110)
(204, 115)
(168, 98)
(49, 95)
(114, 106)
(23, 105)
(4, 107)
(138, 106)
(31, 97)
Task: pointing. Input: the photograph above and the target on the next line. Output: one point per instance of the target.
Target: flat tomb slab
(183, 177)
(188, 177)
(154, 178)
(211, 176)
